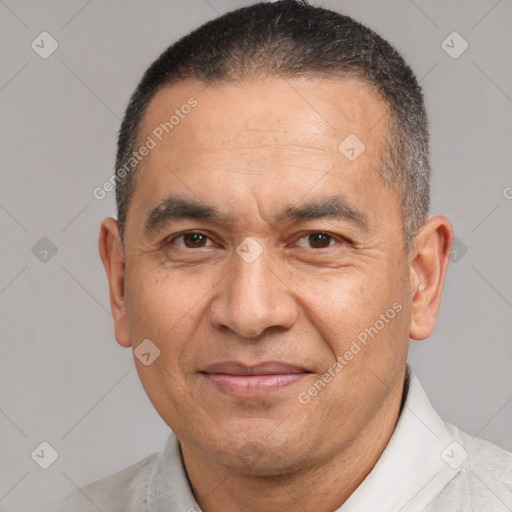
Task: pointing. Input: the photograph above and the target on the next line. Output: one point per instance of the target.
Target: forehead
(321, 109)
(274, 137)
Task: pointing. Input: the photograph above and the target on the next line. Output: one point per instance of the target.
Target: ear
(429, 259)
(112, 256)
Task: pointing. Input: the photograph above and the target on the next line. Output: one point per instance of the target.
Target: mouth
(246, 381)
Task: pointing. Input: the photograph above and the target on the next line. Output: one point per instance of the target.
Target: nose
(252, 298)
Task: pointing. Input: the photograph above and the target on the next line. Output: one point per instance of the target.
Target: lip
(247, 381)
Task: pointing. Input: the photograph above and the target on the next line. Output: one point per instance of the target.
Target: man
(271, 258)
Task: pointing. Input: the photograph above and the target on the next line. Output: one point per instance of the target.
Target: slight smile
(246, 381)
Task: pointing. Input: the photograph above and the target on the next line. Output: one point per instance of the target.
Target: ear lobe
(429, 262)
(112, 256)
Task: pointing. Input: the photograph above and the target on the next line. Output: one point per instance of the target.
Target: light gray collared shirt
(428, 466)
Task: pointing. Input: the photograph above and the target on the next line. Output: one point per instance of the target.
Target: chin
(261, 457)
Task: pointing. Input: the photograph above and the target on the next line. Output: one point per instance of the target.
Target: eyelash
(333, 238)
(173, 238)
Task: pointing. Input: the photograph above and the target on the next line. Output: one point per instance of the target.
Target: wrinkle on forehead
(298, 105)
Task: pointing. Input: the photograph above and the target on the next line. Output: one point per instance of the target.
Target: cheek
(165, 309)
(339, 305)
(353, 307)
(161, 304)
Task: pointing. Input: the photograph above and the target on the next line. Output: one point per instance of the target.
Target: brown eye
(191, 240)
(317, 240)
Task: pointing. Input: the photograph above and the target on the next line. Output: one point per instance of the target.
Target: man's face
(262, 160)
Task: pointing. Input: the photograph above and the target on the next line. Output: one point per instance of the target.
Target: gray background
(63, 378)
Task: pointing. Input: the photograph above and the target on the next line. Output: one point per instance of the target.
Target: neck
(320, 488)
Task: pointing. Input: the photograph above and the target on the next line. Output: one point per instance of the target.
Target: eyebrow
(334, 207)
(174, 208)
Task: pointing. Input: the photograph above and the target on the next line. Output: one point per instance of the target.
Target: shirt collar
(411, 471)
(409, 474)
(169, 487)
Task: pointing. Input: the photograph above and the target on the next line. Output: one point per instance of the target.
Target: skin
(250, 149)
